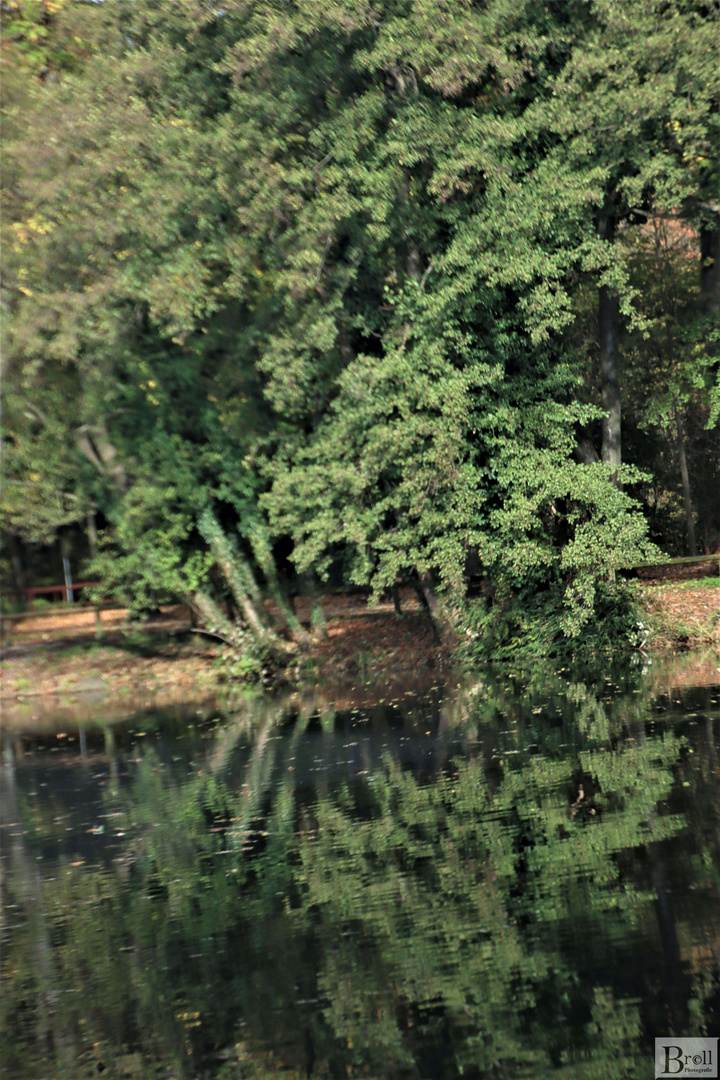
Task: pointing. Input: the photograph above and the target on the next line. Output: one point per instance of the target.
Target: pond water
(518, 877)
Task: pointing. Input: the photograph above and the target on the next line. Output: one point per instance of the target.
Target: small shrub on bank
(249, 664)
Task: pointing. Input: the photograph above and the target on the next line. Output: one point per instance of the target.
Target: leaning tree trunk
(263, 555)
(215, 621)
(93, 441)
(239, 576)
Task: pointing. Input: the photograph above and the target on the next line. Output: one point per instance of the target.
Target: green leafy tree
(312, 270)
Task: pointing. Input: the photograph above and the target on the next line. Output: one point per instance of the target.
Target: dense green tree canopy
(331, 274)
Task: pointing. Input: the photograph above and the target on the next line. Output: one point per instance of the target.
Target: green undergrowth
(252, 664)
(534, 626)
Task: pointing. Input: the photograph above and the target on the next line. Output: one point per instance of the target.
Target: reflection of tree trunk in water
(112, 760)
(224, 745)
(676, 988)
(449, 714)
(711, 749)
(258, 773)
(24, 882)
(327, 721)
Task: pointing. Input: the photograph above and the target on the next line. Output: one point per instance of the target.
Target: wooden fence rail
(672, 567)
(49, 590)
(666, 568)
(8, 623)
(677, 562)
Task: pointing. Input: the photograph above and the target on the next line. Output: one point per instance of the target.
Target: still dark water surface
(516, 878)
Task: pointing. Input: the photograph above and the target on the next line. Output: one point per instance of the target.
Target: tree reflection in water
(519, 881)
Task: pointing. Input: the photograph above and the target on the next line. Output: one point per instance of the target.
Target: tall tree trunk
(689, 518)
(318, 622)
(442, 627)
(429, 602)
(608, 321)
(92, 534)
(679, 433)
(609, 334)
(710, 264)
(18, 570)
(395, 593)
(20, 881)
(584, 451)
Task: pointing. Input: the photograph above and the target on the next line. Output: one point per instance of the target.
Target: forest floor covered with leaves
(682, 614)
(57, 656)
